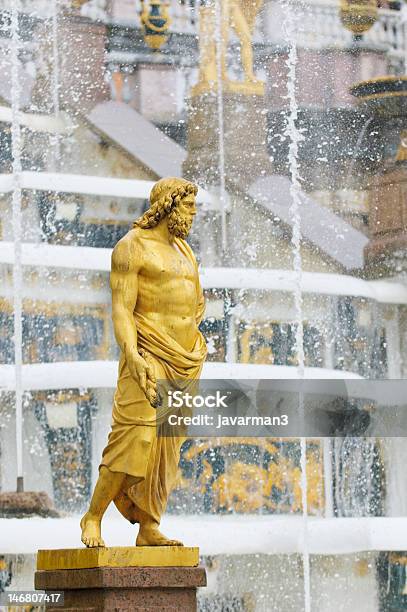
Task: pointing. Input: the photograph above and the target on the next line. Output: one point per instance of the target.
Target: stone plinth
(81, 64)
(26, 503)
(384, 103)
(245, 134)
(386, 251)
(82, 48)
(133, 579)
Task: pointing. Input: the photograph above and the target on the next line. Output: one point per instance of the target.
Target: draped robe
(134, 445)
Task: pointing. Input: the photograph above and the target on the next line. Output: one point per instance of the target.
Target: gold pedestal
(118, 556)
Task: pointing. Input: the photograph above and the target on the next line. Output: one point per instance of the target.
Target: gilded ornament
(236, 15)
(358, 16)
(156, 21)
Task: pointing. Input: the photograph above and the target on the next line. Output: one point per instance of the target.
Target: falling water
(221, 158)
(294, 137)
(404, 22)
(355, 460)
(56, 144)
(222, 185)
(356, 150)
(17, 232)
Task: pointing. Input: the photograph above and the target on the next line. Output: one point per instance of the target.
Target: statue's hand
(139, 368)
(143, 373)
(152, 394)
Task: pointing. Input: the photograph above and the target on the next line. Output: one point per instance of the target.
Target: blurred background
(291, 116)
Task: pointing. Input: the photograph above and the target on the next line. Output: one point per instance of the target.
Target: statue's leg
(150, 496)
(225, 25)
(242, 30)
(106, 489)
(207, 62)
(149, 533)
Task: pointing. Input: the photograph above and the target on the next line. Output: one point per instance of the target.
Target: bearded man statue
(157, 305)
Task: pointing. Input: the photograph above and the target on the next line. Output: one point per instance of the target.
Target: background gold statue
(238, 15)
(157, 305)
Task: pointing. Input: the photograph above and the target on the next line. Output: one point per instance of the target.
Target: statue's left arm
(200, 303)
(200, 309)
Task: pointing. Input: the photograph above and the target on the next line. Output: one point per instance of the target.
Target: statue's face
(187, 211)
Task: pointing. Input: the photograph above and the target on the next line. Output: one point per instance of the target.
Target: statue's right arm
(126, 263)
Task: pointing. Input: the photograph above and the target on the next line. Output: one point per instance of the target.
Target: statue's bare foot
(91, 535)
(151, 536)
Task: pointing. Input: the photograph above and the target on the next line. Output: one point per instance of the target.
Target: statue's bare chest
(168, 263)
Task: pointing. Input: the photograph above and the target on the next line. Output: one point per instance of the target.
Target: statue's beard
(178, 225)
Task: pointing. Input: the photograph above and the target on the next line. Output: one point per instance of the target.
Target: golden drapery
(134, 446)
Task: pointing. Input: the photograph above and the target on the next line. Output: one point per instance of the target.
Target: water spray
(17, 234)
(294, 137)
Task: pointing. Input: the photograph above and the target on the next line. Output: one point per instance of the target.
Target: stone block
(137, 579)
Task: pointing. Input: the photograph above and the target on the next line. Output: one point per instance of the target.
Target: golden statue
(157, 305)
(401, 155)
(240, 16)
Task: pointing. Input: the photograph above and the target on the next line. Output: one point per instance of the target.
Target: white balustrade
(319, 26)
(183, 16)
(318, 22)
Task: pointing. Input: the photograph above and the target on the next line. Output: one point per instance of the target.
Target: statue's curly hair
(166, 194)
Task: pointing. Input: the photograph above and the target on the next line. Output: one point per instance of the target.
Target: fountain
(294, 139)
(21, 503)
(288, 294)
(17, 238)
